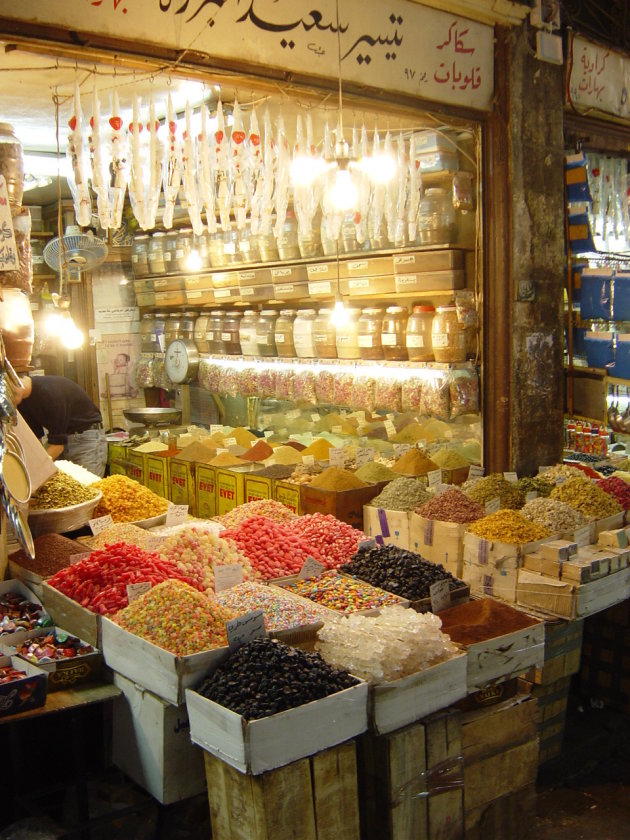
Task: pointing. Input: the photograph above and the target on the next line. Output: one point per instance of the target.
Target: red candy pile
(336, 541)
(273, 548)
(99, 582)
(618, 488)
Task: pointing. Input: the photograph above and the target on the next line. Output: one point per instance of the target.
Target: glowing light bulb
(193, 261)
(55, 324)
(344, 193)
(339, 315)
(305, 169)
(381, 168)
(72, 337)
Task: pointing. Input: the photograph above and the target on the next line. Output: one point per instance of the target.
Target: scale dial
(181, 361)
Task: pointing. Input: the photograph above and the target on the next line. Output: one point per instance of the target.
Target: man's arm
(55, 450)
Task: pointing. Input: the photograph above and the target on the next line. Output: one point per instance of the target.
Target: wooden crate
(411, 781)
(510, 817)
(314, 798)
(563, 652)
(552, 699)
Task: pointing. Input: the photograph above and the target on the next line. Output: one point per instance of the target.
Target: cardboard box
(609, 523)
(227, 294)
(148, 665)
(20, 587)
(27, 693)
(491, 568)
(205, 491)
(346, 505)
(256, 746)
(257, 487)
(116, 455)
(230, 490)
(135, 466)
(181, 482)
(174, 297)
(151, 744)
(288, 494)
(563, 651)
(375, 285)
(72, 616)
(569, 600)
(439, 542)
(156, 473)
(200, 297)
(255, 294)
(392, 526)
(430, 260)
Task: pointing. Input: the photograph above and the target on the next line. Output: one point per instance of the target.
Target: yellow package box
(288, 494)
(181, 487)
(257, 487)
(230, 490)
(135, 466)
(156, 472)
(205, 491)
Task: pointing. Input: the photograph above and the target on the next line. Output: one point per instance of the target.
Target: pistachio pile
(61, 491)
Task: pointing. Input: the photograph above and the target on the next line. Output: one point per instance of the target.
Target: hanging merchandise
(283, 165)
(171, 171)
(79, 160)
(100, 181)
(221, 163)
(206, 172)
(190, 180)
(238, 169)
(360, 151)
(119, 167)
(256, 169)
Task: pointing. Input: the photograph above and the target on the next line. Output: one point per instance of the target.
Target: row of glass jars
(392, 334)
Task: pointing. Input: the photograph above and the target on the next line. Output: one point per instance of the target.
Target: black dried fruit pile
(399, 571)
(264, 677)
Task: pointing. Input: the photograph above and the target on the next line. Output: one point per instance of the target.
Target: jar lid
(422, 307)
(159, 233)
(161, 314)
(288, 313)
(395, 310)
(234, 313)
(141, 236)
(324, 311)
(186, 231)
(189, 314)
(268, 313)
(303, 313)
(372, 311)
(147, 315)
(447, 307)
(250, 312)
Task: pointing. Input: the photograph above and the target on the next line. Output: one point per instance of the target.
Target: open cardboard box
(567, 599)
(25, 694)
(21, 589)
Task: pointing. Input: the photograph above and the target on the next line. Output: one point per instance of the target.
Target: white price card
(337, 430)
(475, 471)
(366, 544)
(102, 523)
(216, 428)
(229, 442)
(390, 428)
(337, 457)
(582, 536)
(293, 415)
(269, 433)
(309, 460)
(493, 505)
(9, 258)
(245, 628)
(434, 477)
(511, 477)
(135, 590)
(153, 543)
(364, 455)
(315, 417)
(400, 449)
(440, 595)
(176, 514)
(529, 497)
(441, 488)
(311, 568)
(225, 577)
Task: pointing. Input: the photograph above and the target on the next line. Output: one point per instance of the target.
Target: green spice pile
(554, 515)
(336, 478)
(449, 459)
(496, 487)
(585, 496)
(538, 484)
(401, 494)
(507, 526)
(61, 491)
(452, 506)
(414, 462)
(374, 471)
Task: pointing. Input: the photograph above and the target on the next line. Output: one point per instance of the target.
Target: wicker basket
(61, 520)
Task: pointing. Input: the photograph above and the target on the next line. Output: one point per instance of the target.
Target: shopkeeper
(59, 410)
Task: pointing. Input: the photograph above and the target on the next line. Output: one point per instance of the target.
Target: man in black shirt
(59, 409)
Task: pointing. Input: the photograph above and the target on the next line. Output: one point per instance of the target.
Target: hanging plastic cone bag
(255, 166)
(238, 168)
(156, 156)
(171, 172)
(100, 180)
(360, 152)
(221, 168)
(190, 179)
(138, 168)
(119, 166)
(415, 185)
(283, 164)
(80, 161)
(205, 171)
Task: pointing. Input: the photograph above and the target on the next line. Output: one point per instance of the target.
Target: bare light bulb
(339, 317)
(193, 261)
(381, 168)
(344, 194)
(55, 324)
(305, 169)
(72, 337)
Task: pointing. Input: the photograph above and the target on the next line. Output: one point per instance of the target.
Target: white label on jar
(226, 336)
(192, 281)
(263, 338)
(405, 260)
(167, 256)
(388, 339)
(244, 245)
(358, 265)
(209, 335)
(248, 290)
(222, 293)
(280, 338)
(415, 341)
(246, 275)
(337, 430)
(365, 341)
(285, 290)
(315, 417)
(134, 258)
(322, 287)
(440, 339)
(193, 295)
(245, 336)
(407, 280)
(159, 284)
(179, 253)
(320, 338)
(229, 248)
(281, 272)
(364, 283)
(317, 269)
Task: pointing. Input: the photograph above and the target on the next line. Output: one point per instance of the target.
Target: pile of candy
(122, 532)
(52, 647)
(177, 618)
(341, 593)
(127, 501)
(16, 613)
(617, 488)
(282, 611)
(9, 674)
(336, 541)
(261, 507)
(264, 677)
(385, 647)
(99, 582)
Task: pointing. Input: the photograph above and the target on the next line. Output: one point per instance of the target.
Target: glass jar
(266, 332)
(157, 246)
(200, 335)
(303, 333)
(324, 335)
(17, 327)
(200, 252)
(148, 341)
(216, 250)
(268, 247)
(37, 252)
(369, 334)
(160, 319)
(183, 248)
(347, 335)
(188, 325)
(310, 244)
(248, 246)
(329, 245)
(173, 328)
(230, 333)
(436, 217)
(393, 334)
(213, 332)
(448, 335)
(418, 339)
(140, 255)
(170, 249)
(247, 333)
(287, 241)
(349, 235)
(231, 248)
(11, 164)
(284, 334)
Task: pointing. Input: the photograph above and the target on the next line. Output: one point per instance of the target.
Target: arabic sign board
(9, 260)
(599, 78)
(397, 46)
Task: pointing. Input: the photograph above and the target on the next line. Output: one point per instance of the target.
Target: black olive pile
(399, 571)
(264, 677)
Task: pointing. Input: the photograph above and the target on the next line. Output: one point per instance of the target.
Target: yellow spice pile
(127, 501)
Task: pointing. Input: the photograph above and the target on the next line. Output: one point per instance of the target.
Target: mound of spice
(52, 553)
(259, 451)
(452, 506)
(128, 501)
(507, 526)
(374, 471)
(272, 548)
(177, 618)
(261, 507)
(282, 611)
(319, 449)
(125, 532)
(336, 541)
(414, 462)
(199, 451)
(341, 593)
(226, 459)
(401, 494)
(305, 473)
(554, 515)
(278, 471)
(264, 677)
(562, 471)
(284, 455)
(538, 484)
(476, 621)
(337, 479)
(449, 459)
(99, 581)
(16, 613)
(60, 491)
(496, 487)
(617, 488)
(397, 570)
(584, 495)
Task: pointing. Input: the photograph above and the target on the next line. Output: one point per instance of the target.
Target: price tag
(293, 415)
(225, 577)
(337, 430)
(542, 470)
(529, 497)
(475, 471)
(153, 543)
(135, 590)
(511, 477)
(309, 460)
(560, 479)
(74, 558)
(337, 457)
(176, 514)
(102, 523)
(390, 428)
(315, 417)
(364, 455)
(268, 434)
(216, 428)
(221, 450)
(245, 628)
(360, 415)
(283, 433)
(400, 449)
(441, 488)
(493, 505)
(582, 536)
(366, 544)
(311, 568)
(434, 477)
(230, 442)
(440, 595)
